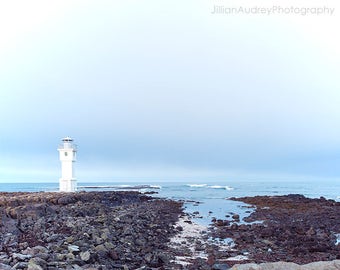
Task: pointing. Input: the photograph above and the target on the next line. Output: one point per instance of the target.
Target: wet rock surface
(288, 228)
(330, 265)
(87, 230)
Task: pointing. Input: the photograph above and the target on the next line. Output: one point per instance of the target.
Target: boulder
(39, 249)
(73, 248)
(330, 265)
(85, 256)
(20, 265)
(36, 264)
(220, 266)
(21, 257)
(5, 266)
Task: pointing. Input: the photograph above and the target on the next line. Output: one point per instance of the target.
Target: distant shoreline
(118, 187)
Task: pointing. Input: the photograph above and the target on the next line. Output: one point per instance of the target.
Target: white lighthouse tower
(67, 155)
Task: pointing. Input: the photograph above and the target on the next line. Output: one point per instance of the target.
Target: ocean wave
(209, 186)
(155, 186)
(197, 185)
(140, 187)
(222, 187)
(95, 187)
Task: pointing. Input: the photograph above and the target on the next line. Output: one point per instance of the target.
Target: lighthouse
(67, 155)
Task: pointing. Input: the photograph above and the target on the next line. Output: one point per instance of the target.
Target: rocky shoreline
(289, 228)
(130, 230)
(86, 230)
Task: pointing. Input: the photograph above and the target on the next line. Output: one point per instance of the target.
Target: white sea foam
(337, 239)
(95, 187)
(238, 258)
(209, 186)
(155, 186)
(193, 233)
(197, 185)
(222, 187)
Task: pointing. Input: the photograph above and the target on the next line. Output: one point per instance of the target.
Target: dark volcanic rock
(293, 228)
(129, 230)
(102, 230)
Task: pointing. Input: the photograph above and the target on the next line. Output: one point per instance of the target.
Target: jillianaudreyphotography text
(273, 10)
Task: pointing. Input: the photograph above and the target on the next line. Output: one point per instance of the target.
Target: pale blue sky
(168, 91)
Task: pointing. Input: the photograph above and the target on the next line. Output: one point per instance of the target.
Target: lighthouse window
(65, 154)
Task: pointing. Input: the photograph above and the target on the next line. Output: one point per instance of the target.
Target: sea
(202, 200)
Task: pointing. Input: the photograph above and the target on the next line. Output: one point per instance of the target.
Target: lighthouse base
(67, 185)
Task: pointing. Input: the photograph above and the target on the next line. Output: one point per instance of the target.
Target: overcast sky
(169, 91)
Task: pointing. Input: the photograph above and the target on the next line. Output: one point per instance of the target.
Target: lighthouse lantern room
(67, 155)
